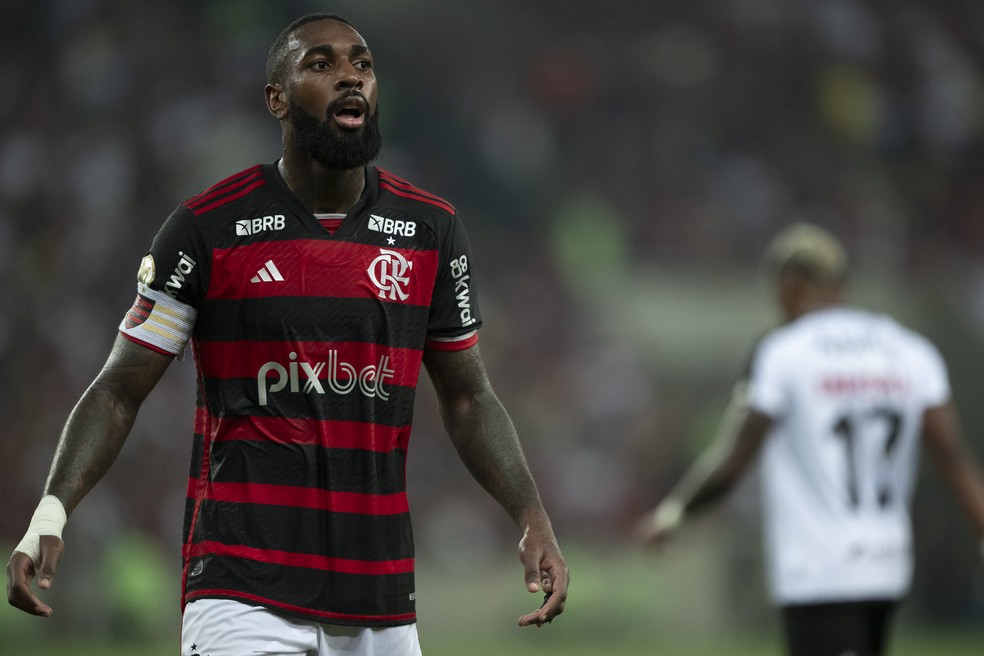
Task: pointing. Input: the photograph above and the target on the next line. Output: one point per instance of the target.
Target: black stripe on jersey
(337, 470)
(350, 594)
(314, 319)
(237, 397)
(304, 530)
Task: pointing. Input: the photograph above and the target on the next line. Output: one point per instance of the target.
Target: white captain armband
(159, 321)
(48, 519)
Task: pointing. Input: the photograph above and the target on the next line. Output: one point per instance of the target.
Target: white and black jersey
(847, 390)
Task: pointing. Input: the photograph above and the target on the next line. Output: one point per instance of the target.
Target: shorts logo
(392, 226)
(388, 272)
(260, 224)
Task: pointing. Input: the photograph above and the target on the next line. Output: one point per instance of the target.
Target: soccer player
(838, 400)
(310, 289)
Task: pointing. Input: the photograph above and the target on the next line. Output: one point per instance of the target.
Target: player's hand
(21, 571)
(657, 527)
(546, 572)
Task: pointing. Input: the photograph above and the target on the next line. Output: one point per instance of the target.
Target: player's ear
(276, 100)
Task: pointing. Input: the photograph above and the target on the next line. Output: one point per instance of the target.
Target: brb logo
(341, 377)
(260, 224)
(392, 226)
(389, 273)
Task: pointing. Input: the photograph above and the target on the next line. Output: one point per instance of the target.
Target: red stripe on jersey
(397, 181)
(330, 434)
(323, 361)
(456, 345)
(201, 420)
(307, 497)
(403, 193)
(236, 594)
(323, 268)
(294, 559)
(233, 182)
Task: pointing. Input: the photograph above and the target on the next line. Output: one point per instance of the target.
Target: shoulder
(402, 192)
(229, 192)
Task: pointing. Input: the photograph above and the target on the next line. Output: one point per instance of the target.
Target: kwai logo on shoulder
(341, 377)
(184, 267)
(459, 271)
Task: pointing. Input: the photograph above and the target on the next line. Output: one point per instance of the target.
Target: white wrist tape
(48, 519)
(669, 515)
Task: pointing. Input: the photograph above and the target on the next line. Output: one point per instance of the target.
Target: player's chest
(296, 259)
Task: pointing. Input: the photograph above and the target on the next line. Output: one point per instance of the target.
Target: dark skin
(744, 432)
(327, 59)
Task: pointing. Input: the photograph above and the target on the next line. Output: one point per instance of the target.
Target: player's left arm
(486, 440)
(955, 461)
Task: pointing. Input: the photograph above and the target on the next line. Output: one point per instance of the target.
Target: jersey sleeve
(454, 317)
(171, 282)
(934, 378)
(767, 391)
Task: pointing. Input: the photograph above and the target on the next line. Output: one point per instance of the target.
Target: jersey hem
(327, 617)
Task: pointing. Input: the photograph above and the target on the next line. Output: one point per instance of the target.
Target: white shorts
(223, 627)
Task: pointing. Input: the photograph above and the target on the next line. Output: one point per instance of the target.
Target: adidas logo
(267, 273)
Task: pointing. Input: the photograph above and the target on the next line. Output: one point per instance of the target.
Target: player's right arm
(90, 441)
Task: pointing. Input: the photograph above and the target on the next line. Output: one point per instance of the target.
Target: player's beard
(331, 146)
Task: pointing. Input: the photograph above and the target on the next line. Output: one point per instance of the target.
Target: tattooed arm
(92, 438)
(486, 440)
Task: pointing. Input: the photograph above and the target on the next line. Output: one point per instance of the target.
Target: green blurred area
(623, 601)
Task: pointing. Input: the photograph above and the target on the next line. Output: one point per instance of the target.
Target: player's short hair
(809, 251)
(277, 56)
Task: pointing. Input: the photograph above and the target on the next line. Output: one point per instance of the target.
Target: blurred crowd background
(619, 167)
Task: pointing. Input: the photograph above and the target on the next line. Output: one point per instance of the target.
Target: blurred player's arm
(90, 442)
(486, 440)
(955, 461)
(739, 439)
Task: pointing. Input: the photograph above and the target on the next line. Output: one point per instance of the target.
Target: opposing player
(838, 400)
(311, 290)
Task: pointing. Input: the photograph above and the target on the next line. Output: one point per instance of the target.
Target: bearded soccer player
(311, 290)
(838, 400)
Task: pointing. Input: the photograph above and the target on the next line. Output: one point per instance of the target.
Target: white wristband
(669, 515)
(48, 519)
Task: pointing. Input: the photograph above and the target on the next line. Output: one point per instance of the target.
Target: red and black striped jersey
(308, 346)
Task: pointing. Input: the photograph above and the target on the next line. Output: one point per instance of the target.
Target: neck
(322, 190)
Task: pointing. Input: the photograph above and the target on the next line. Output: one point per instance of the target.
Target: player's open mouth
(351, 113)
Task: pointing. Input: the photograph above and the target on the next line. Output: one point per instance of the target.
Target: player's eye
(320, 65)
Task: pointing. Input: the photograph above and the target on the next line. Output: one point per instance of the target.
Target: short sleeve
(454, 317)
(933, 377)
(171, 282)
(766, 383)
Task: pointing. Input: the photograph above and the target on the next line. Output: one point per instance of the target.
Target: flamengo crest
(389, 273)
